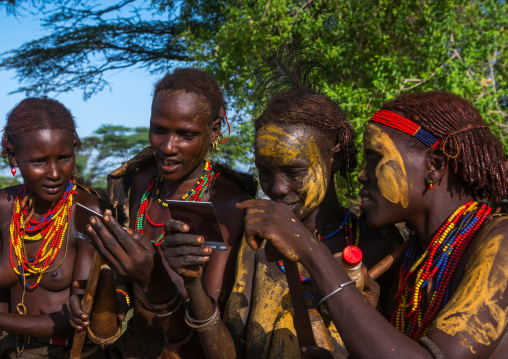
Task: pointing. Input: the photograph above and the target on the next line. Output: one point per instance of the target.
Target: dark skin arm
(364, 321)
(187, 257)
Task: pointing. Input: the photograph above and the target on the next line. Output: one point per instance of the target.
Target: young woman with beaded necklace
(40, 256)
(187, 111)
(433, 163)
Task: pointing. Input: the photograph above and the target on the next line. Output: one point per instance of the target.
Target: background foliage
(374, 50)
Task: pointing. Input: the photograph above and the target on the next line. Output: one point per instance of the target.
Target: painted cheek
(390, 171)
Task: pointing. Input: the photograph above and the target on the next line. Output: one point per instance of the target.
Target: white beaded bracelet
(336, 291)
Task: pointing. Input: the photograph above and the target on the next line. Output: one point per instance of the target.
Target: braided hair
(476, 155)
(287, 80)
(33, 114)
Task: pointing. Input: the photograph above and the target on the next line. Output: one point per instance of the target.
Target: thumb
(79, 284)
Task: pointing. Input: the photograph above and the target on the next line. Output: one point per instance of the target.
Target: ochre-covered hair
(288, 80)
(198, 81)
(33, 114)
(476, 155)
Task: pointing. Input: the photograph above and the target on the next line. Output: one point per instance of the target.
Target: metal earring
(215, 142)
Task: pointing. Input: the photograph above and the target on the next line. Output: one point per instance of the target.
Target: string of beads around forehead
(195, 194)
(349, 228)
(52, 229)
(437, 263)
(393, 120)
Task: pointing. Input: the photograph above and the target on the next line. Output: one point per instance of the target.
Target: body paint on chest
(477, 313)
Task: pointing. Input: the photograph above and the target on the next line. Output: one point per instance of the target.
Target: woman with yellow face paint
(302, 140)
(433, 163)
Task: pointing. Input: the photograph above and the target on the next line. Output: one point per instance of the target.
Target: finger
(251, 203)
(123, 308)
(141, 241)
(101, 248)
(189, 251)
(174, 226)
(252, 239)
(183, 239)
(78, 318)
(187, 261)
(79, 284)
(123, 237)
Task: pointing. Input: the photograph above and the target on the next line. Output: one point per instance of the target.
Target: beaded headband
(391, 119)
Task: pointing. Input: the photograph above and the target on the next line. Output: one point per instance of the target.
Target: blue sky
(127, 103)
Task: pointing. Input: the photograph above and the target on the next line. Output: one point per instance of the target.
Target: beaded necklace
(347, 225)
(53, 227)
(194, 195)
(439, 261)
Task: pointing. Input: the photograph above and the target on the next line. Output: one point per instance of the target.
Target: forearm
(216, 342)
(160, 287)
(53, 325)
(355, 319)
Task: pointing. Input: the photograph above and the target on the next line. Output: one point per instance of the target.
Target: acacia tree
(374, 49)
(109, 147)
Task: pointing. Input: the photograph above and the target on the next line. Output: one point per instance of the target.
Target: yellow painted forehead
(274, 141)
(376, 139)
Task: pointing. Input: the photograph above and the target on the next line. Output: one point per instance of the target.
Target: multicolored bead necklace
(194, 195)
(347, 225)
(53, 226)
(439, 261)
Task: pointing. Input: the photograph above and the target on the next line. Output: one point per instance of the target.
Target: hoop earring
(13, 171)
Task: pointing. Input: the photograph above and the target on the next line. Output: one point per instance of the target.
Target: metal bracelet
(176, 299)
(203, 325)
(336, 291)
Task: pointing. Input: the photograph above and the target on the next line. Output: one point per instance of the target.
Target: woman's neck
(175, 190)
(328, 215)
(435, 215)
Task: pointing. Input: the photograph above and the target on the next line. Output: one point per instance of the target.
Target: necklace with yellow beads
(52, 229)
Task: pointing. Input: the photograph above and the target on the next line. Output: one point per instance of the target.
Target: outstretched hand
(128, 253)
(184, 252)
(275, 222)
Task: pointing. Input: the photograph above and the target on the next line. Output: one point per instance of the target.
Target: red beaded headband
(400, 123)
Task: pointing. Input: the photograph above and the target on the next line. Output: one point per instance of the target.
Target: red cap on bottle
(352, 256)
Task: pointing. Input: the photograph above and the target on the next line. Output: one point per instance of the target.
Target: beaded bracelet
(206, 324)
(336, 291)
(126, 295)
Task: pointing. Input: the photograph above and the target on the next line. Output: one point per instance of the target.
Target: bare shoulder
(90, 200)
(8, 194)
(141, 179)
(473, 322)
(228, 192)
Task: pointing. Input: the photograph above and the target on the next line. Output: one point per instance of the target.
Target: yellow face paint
(284, 148)
(477, 312)
(390, 171)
